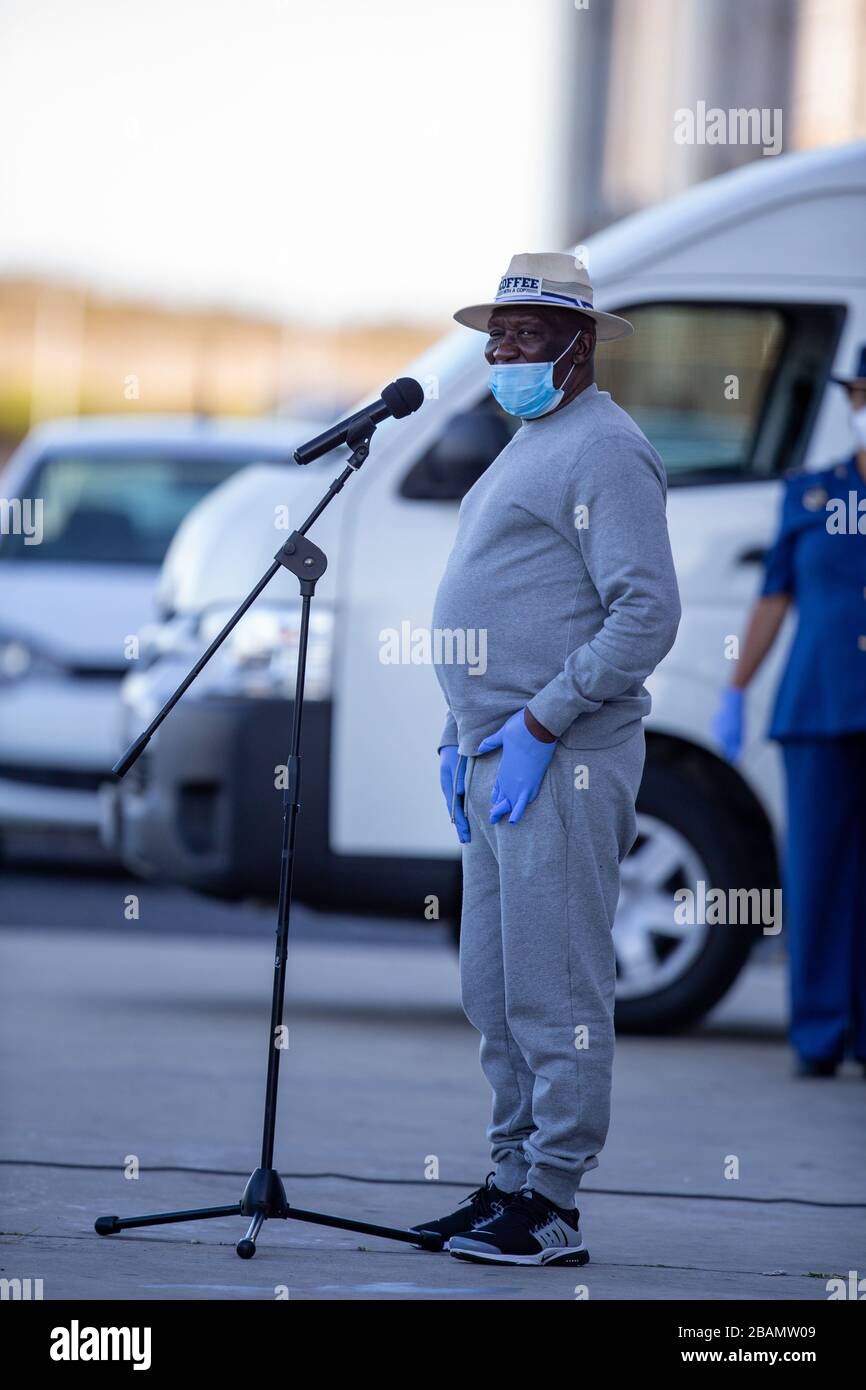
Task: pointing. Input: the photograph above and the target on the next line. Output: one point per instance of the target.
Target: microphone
(402, 397)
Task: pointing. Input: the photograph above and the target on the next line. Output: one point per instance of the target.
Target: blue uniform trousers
(825, 894)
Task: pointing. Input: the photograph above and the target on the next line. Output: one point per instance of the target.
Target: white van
(745, 293)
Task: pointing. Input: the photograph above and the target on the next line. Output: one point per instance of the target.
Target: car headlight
(19, 659)
(16, 658)
(260, 656)
(174, 636)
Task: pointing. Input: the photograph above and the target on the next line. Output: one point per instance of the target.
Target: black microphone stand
(264, 1196)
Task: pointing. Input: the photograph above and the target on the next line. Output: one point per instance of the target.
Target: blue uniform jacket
(819, 558)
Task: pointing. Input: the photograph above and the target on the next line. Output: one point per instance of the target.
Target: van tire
(680, 795)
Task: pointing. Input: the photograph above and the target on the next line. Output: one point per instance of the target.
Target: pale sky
(321, 159)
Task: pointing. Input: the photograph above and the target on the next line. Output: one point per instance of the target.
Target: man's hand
(448, 763)
(525, 759)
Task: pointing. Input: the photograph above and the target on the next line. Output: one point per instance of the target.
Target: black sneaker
(529, 1231)
(815, 1066)
(481, 1205)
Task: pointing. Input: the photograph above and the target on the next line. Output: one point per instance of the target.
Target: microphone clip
(358, 438)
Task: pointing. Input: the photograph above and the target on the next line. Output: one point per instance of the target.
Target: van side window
(455, 461)
(722, 390)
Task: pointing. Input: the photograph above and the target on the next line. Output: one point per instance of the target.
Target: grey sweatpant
(537, 960)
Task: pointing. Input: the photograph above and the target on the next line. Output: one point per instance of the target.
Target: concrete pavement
(129, 1046)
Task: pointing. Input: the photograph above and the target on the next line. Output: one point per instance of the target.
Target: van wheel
(669, 975)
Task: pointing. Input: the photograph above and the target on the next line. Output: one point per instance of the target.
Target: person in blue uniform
(818, 564)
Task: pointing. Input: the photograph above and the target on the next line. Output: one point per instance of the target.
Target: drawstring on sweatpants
(461, 758)
(469, 760)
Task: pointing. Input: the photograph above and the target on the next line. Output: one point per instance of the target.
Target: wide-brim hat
(859, 377)
(547, 279)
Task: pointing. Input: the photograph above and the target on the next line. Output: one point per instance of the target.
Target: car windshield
(108, 508)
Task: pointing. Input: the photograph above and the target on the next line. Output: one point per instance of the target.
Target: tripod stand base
(264, 1200)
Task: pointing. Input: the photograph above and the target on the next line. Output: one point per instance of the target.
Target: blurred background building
(168, 248)
(632, 65)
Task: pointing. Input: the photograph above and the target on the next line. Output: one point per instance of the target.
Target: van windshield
(106, 508)
(696, 378)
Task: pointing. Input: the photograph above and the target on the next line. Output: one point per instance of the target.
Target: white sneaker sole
(474, 1252)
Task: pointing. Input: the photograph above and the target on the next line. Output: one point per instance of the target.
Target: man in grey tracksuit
(562, 559)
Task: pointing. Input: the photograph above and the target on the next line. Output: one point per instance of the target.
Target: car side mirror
(465, 449)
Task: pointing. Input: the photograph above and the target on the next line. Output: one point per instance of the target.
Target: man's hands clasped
(522, 767)
(524, 762)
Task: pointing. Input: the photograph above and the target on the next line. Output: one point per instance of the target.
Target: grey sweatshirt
(560, 590)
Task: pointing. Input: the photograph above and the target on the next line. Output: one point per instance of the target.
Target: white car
(89, 507)
(746, 293)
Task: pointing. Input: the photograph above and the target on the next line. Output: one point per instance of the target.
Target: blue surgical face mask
(526, 388)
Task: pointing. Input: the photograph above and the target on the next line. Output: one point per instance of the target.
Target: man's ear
(585, 346)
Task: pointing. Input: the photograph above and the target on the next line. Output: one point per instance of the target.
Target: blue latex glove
(524, 761)
(728, 722)
(449, 762)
